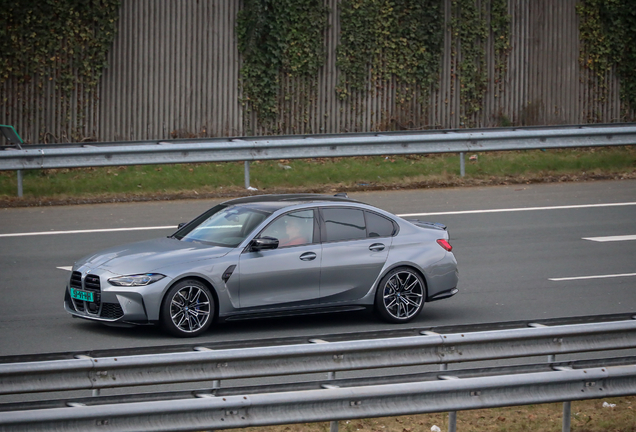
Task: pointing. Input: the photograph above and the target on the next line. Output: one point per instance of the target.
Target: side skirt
(295, 312)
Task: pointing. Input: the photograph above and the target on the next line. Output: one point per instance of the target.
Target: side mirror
(264, 243)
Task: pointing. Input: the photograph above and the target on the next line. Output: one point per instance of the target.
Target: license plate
(81, 295)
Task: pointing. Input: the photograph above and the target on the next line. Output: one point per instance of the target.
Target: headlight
(136, 280)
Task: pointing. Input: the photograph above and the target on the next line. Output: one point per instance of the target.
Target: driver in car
(294, 231)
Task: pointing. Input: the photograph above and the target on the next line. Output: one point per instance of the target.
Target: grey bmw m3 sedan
(266, 256)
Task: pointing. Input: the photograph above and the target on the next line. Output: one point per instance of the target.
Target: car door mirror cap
(264, 243)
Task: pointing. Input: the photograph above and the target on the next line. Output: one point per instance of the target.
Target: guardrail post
(462, 164)
(567, 406)
(247, 174)
(216, 384)
(567, 413)
(452, 421)
(452, 415)
(19, 183)
(333, 425)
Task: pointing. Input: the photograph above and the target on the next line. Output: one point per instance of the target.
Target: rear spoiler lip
(425, 224)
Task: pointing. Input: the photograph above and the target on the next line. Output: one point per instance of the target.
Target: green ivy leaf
(37, 38)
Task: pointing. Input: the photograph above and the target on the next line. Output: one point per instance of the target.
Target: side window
(379, 226)
(292, 229)
(344, 224)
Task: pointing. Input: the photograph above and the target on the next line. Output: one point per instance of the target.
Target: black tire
(187, 309)
(400, 295)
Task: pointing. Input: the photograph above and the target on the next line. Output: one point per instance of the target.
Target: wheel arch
(205, 282)
(419, 271)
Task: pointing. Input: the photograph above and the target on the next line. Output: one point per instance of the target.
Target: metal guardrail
(450, 392)
(312, 382)
(123, 371)
(313, 146)
(389, 332)
(331, 403)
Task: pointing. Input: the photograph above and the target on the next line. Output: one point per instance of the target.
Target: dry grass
(587, 416)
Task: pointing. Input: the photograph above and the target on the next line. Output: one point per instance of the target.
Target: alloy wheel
(190, 308)
(403, 295)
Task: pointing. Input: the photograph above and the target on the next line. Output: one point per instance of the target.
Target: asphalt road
(507, 258)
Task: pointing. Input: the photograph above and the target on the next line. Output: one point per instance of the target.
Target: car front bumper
(113, 305)
(115, 308)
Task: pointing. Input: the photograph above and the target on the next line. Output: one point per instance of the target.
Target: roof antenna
(342, 194)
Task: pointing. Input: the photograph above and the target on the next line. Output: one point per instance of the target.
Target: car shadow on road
(269, 328)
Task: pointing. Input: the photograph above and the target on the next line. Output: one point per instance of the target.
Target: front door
(288, 276)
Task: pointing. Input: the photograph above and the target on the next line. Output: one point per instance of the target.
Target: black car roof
(295, 198)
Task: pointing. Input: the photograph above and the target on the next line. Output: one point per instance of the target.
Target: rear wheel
(400, 295)
(187, 309)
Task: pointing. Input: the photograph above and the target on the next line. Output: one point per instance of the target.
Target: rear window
(344, 224)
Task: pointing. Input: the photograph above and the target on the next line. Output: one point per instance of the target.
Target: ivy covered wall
(79, 70)
(53, 54)
(608, 39)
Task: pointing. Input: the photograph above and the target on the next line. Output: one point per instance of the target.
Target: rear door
(355, 247)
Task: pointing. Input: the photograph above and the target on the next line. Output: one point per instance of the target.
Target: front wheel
(187, 309)
(400, 295)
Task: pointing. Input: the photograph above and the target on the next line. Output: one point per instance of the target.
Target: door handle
(308, 256)
(376, 247)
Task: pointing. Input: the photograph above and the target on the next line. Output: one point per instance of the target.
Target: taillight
(446, 245)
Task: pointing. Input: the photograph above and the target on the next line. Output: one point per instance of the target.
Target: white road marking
(401, 215)
(520, 209)
(67, 268)
(611, 238)
(592, 277)
(87, 231)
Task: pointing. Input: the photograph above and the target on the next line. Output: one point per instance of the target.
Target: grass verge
(314, 175)
(587, 416)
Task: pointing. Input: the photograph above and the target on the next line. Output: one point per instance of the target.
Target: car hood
(149, 255)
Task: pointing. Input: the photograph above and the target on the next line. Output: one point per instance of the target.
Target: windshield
(222, 226)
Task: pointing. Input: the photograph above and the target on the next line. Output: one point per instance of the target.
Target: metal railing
(330, 400)
(314, 146)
